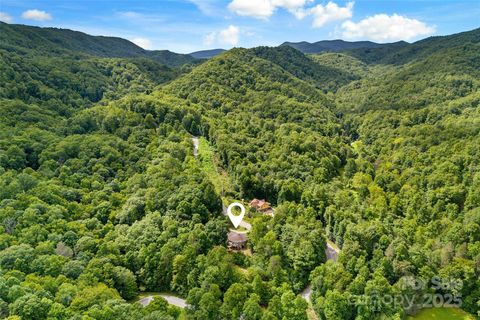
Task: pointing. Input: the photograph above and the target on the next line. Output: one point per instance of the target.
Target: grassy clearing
(442, 314)
(333, 245)
(209, 163)
(311, 313)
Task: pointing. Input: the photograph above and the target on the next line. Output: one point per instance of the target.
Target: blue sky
(189, 25)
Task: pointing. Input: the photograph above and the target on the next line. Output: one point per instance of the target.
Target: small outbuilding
(237, 240)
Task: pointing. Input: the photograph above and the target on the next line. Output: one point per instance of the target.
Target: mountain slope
(420, 49)
(327, 78)
(56, 42)
(343, 62)
(336, 45)
(65, 82)
(256, 113)
(206, 54)
(230, 76)
(65, 71)
(446, 73)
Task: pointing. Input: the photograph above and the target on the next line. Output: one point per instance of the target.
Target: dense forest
(376, 150)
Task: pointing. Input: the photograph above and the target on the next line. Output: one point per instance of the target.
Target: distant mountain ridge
(56, 42)
(337, 45)
(400, 54)
(310, 48)
(207, 54)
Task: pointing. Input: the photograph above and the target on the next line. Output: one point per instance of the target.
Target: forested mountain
(338, 45)
(418, 50)
(101, 196)
(327, 78)
(206, 54)
(448, 73)
(252, 106)
(24, 39)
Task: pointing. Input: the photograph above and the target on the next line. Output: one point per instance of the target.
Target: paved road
(176, 301)
(307, 292)
(332, 254)
(145, 301)
(196, 142)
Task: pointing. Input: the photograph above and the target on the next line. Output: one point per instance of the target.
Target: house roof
(258, 203)
(236, 237)
(254, 202)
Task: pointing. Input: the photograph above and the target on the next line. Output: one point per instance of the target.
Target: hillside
(241, 95)
(66, 83)
(417, 50)
(66, 70)
(449, 72)
(343, 62)
(338, 45)
(226, 80)
(206, 54)
(23, 39)
(326, 78)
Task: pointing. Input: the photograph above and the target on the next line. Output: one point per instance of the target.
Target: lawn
(209, 163)
(442, 314)
(333, 245)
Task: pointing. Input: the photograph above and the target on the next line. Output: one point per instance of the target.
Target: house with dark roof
(237, 240)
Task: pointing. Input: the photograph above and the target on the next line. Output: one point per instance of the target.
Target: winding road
(332, 254)
(173, 300)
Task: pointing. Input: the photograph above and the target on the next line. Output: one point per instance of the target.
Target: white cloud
(205, 6)
(330, 12)
(209, 39)
(299, 13)
(229, 36)
(262, 9)
(5, 17)
(35, 14)
(143, 42)
(382, 28)
(140, 18)
(130, 15)
(290, 4)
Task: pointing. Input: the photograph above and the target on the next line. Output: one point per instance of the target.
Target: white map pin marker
(236, 219)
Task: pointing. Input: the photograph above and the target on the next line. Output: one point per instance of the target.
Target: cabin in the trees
(262, 206)
(237, 241)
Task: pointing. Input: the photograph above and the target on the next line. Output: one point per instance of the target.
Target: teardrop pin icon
(236, 220)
